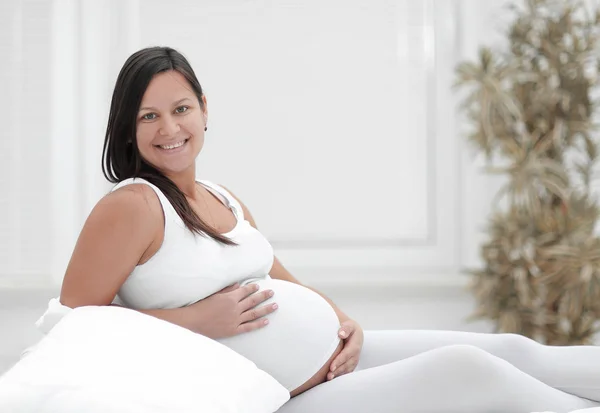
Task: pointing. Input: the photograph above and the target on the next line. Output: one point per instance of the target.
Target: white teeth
(175, 145)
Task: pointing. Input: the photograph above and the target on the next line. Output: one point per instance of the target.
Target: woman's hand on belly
(231, 311)
(352, 335)
(344, 359)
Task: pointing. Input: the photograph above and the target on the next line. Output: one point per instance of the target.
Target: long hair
(121, 158)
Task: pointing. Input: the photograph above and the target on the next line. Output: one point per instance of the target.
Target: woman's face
(170, 124)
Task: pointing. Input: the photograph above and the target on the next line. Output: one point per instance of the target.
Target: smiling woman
(169, 123)
(156, 128)
(192, 238)
(189, 252)
(170, 134)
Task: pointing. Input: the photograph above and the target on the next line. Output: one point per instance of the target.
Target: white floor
(389, 308)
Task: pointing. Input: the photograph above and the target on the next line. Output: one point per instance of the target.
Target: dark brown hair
(121, 158)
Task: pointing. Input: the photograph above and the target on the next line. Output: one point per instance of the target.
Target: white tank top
(189, 267)
(302, 332)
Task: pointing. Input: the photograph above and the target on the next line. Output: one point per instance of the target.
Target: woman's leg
(452, 379)
(572, 369)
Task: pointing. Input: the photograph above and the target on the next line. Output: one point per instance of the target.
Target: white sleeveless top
(189, 267)
(302, 332)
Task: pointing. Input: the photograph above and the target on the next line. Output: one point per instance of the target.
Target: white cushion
(111, 359)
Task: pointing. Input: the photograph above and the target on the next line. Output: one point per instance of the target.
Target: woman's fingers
(252, 325)
(253, 299)
(245, 291)
(257, 312)
(347, 329)
(252, 314)
(346, 367)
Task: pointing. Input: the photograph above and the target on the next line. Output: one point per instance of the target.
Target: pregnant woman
(188, 251)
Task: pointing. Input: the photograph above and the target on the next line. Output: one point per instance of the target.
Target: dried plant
(532, 110)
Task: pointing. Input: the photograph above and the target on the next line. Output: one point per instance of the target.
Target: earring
(205, 128)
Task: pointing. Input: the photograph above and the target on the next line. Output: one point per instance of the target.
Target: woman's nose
(169, 126)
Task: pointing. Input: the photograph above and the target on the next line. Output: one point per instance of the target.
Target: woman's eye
(181, 109)
(149, 116)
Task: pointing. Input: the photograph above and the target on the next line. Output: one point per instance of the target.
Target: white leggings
(444, 371)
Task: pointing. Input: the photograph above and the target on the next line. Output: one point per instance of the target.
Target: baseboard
(25, 281)
(26, 291)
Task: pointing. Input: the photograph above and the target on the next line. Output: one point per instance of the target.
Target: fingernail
(271, 293)
(333, 368)
(266, 321)
(275, 306)
(343, 333)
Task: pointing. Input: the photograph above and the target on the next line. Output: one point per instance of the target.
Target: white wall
(333, 120)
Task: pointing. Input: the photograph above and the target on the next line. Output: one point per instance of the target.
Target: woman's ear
(204, 109)
(204, 104)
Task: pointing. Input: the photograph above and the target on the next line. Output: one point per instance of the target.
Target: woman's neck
(186, 182)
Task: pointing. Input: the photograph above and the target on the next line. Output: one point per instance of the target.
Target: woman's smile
(173, 148)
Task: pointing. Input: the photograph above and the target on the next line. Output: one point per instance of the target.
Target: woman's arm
(178, 316)
(118, 232)
(125, 229)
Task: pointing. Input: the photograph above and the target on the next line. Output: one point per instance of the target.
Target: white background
(334, 121)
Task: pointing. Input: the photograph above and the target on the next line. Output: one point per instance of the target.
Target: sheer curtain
(57, 66)
(25, 90)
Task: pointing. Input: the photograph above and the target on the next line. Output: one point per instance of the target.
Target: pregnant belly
(300, 340)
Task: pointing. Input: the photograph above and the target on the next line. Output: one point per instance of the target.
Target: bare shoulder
(132, 204)
(135, 193)
(119, 230)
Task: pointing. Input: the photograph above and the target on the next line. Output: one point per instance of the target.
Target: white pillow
(112, 359)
